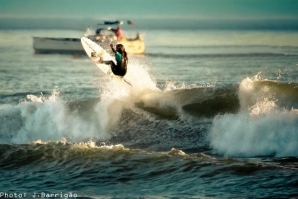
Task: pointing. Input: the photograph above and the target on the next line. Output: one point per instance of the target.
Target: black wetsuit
(121, 67)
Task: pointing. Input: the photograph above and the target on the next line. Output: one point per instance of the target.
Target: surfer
(121, 58)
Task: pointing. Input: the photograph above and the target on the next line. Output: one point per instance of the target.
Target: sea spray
(51, 119)
(139, 75)
(260, 128)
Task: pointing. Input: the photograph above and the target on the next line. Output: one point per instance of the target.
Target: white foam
(48, 119)
(261, 128)
(139, 74)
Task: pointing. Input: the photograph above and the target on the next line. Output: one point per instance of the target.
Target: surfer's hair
(120, 48)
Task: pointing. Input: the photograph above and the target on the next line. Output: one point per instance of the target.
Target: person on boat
(118, 32)
(121, 58)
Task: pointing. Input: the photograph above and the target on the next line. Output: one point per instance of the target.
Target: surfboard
(98, 55)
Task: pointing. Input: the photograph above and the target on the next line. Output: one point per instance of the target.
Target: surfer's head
(120, 48)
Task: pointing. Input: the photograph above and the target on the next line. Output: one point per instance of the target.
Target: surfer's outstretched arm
(112, 47)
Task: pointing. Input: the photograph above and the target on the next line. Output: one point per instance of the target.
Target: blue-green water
(211, 114)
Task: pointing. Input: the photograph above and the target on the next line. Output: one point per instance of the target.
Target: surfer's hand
(111, 45)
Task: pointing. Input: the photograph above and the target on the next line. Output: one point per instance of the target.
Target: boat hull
(57, 45)
(133, 46)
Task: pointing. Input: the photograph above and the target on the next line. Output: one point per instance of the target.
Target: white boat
(57, 45)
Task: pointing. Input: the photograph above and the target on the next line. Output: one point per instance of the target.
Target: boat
(133, 46)
(102, 36)
(44, 45)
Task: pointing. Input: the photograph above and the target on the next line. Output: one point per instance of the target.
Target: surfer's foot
(100, 60)
(100, 54)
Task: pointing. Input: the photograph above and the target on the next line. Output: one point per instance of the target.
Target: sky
(220, 14)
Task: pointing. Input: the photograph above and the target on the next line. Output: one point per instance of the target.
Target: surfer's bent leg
(113, 66)
(117, 70)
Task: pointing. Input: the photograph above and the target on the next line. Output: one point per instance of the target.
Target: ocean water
(211, 114)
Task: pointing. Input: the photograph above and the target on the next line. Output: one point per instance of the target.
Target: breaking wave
(266, 124)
